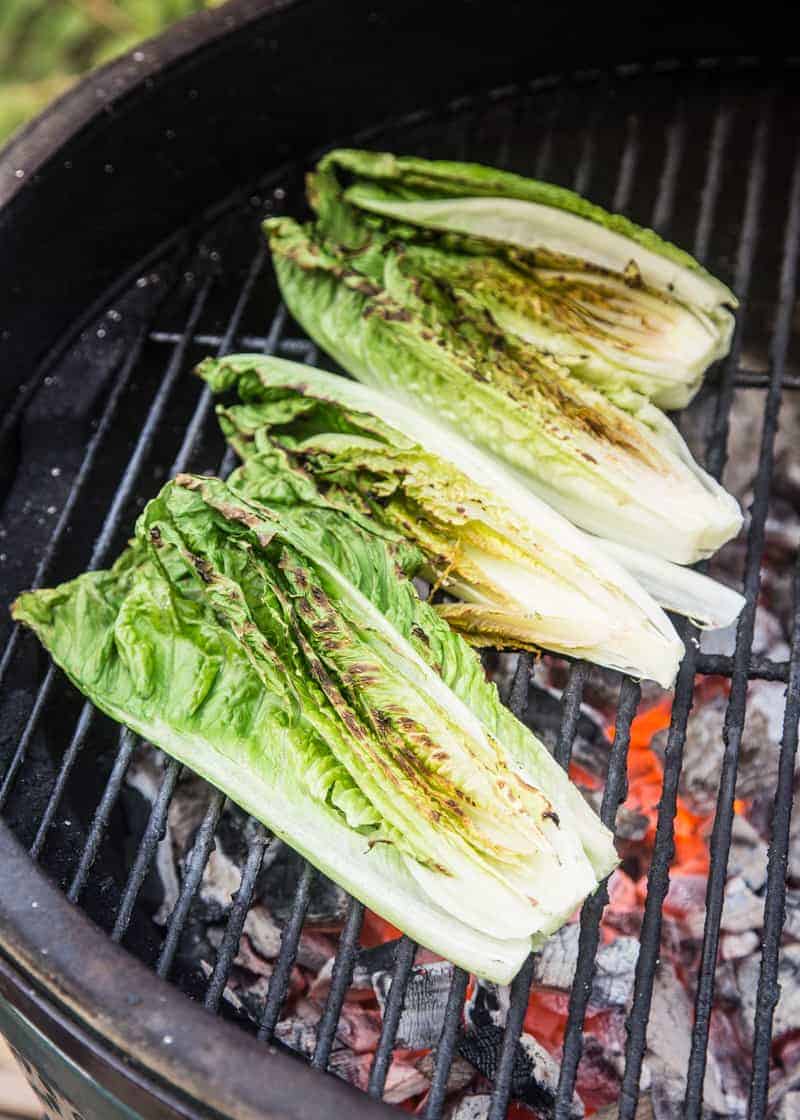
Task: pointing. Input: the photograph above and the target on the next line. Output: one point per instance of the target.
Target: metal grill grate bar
(229, 945)
(127, 745)
(446, 1046)
(711, 187)
(154, 829)
(520, 990)
(774, 906)
(148, 845)
(121, 382)
(734, 718)
(741, 667)
(111, 521)
(658, 876)
(657, 885)
(201, 850)
(592, 911)
(571, 701)
(279, 981)
(401, 974)
(340, 981)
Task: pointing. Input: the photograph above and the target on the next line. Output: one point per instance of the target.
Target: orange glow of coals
(645, 784)
(376, 930)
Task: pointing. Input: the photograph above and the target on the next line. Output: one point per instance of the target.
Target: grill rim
(78, 972)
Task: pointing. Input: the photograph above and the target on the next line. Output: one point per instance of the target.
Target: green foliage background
(46, 44)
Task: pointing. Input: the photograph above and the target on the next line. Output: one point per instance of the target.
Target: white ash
(422, 1017)
(669, 1032)
(263, 931)
(748, 854)
(787, 1010)
(788, 1106)
(644, 1110)
(487, 1005)
(460, 1074)
(704, 746)
(534, 1077)
(615, 967)
(743, 909)
(473, 1107)
(735, 946)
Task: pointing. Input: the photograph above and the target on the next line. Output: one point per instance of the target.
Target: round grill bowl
(130, 245)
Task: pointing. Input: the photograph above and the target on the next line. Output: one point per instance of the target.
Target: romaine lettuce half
(525, 576)
(616, 303)
(226, 638)
(618, 469)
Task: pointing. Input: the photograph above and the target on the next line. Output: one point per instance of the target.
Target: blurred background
(46, 45)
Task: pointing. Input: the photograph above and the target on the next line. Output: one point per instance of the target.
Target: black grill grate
(665, 144)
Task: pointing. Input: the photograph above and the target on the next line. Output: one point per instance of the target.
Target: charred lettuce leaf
(225, 637)
(319, 446)
(616, 303)
(616, 468)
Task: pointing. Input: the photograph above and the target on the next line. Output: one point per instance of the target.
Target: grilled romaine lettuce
(618, 469)
(525, 576)
(616, 303)
(361, 731)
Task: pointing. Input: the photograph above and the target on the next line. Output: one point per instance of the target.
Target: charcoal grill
(130, 249)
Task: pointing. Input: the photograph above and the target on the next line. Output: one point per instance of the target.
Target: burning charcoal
(277, 886)
(590, 749)
(458, 1076)
(743, 910)
(644, 1110)
(535, 1074)
(402, 1081)
(669, 1032)
(422, 1016)
(615, 971)
(299, 1030)
(248, 958)
(487, 1005)
(788, 1106)
(787, 1010)
(630, 824)
(359, 1028)
(315, 949)
(473, 1107)
(555, 963)
(734, 946)
(615, 967)
(263, 931)
(599, 1074)
(791, 926)
(758, 754)
(186, 811)
(220, 882)
(748, 854)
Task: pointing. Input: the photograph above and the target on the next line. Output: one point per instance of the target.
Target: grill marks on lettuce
(316, 445)
(615, 467)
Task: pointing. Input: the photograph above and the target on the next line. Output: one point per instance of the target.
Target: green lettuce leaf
(526, 577)
(228, 640)
(614, 302)
(618, 469)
